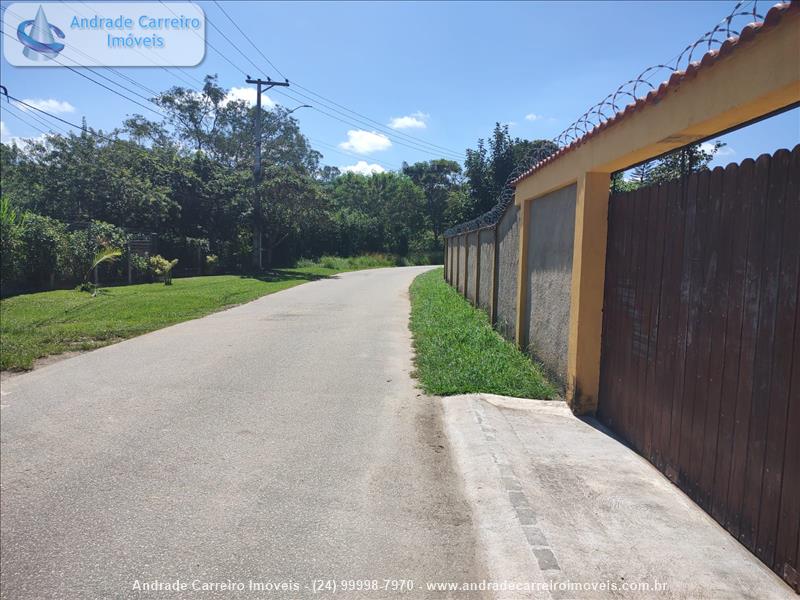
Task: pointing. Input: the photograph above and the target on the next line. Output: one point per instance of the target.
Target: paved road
(282, 440)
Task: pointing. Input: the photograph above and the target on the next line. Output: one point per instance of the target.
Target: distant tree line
(188, 179)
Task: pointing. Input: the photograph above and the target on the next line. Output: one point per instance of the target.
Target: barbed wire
(743, 14)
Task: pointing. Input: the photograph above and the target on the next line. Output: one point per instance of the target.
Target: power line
(57, 118)
(231, 42)
(118, 73)
(320, 96)
(112, 90)
(359, 123)
(28, 123)
(384, 129)
(177, 75)
(256, 48)
(412, 145)
(412, 142)
(333, 148)
(210, 45)
(133, 92)
(33, 116)
(350, 123)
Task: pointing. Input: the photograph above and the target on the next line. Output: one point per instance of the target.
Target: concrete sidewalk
(559, 503)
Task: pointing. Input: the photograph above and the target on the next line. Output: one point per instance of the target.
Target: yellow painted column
(522, 275)
(586, 295)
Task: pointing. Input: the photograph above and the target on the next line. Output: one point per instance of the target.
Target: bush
(212, 264)
(162, 268)
(39, 252)
(353, 263)
(11, 223)
(141, 269)
(190, 252)
(100, 236)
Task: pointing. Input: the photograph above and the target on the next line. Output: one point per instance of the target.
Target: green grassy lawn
(37, 325)
(458, 352)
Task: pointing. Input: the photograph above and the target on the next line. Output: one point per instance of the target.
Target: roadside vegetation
(366, 261)
(181, 187)
(458, 352)
(36, 325)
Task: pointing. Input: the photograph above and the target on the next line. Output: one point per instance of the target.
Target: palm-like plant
(10, 216)
(104, 255)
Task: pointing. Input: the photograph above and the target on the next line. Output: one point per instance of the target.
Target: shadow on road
(286, 275)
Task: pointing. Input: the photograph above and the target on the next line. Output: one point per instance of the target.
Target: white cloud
(50, 105)
(724, 151)
(7, 138)
(248, 94)
(365, 142)
(5, 134)
(415, 120)
(533, 117)
(363, 168)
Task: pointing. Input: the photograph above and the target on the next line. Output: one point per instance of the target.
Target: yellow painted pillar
(586, 295)
(522, 275)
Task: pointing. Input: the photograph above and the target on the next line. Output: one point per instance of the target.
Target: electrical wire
(332, 148)
(28, 123)
(348, 120)
(178, 75)
(245, 36)
(57, 118)
(209, 44)
(36, 117)
(375, 124)
(112, 90)
(135, 82)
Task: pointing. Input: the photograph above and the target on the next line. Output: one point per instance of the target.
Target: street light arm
(299, 107)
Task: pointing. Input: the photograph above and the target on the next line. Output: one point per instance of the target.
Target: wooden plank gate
(700, 365)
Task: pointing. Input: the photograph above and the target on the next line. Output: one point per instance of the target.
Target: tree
(478, 172)
(641, 175)
(437, 179)
(488, 171)
(188, 179)
(674, 165)
(383, 212)
(688, 159)
(292, 205)
(209, 121)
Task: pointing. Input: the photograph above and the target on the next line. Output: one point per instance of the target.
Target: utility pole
(258, 233)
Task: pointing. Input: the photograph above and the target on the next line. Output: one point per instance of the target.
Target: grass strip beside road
(458, 351)
(36, 325)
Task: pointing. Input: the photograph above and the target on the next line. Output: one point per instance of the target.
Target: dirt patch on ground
(41, 362)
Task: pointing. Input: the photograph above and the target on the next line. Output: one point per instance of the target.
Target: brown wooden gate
(700, 367)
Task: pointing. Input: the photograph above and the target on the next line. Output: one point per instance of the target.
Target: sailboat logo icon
(37, 37)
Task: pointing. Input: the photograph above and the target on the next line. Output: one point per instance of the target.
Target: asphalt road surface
(282, 442)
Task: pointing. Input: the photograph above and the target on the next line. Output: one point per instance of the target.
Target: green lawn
(457, 350)
(37, 325)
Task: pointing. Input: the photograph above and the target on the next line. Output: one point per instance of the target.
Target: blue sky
(443, 71)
